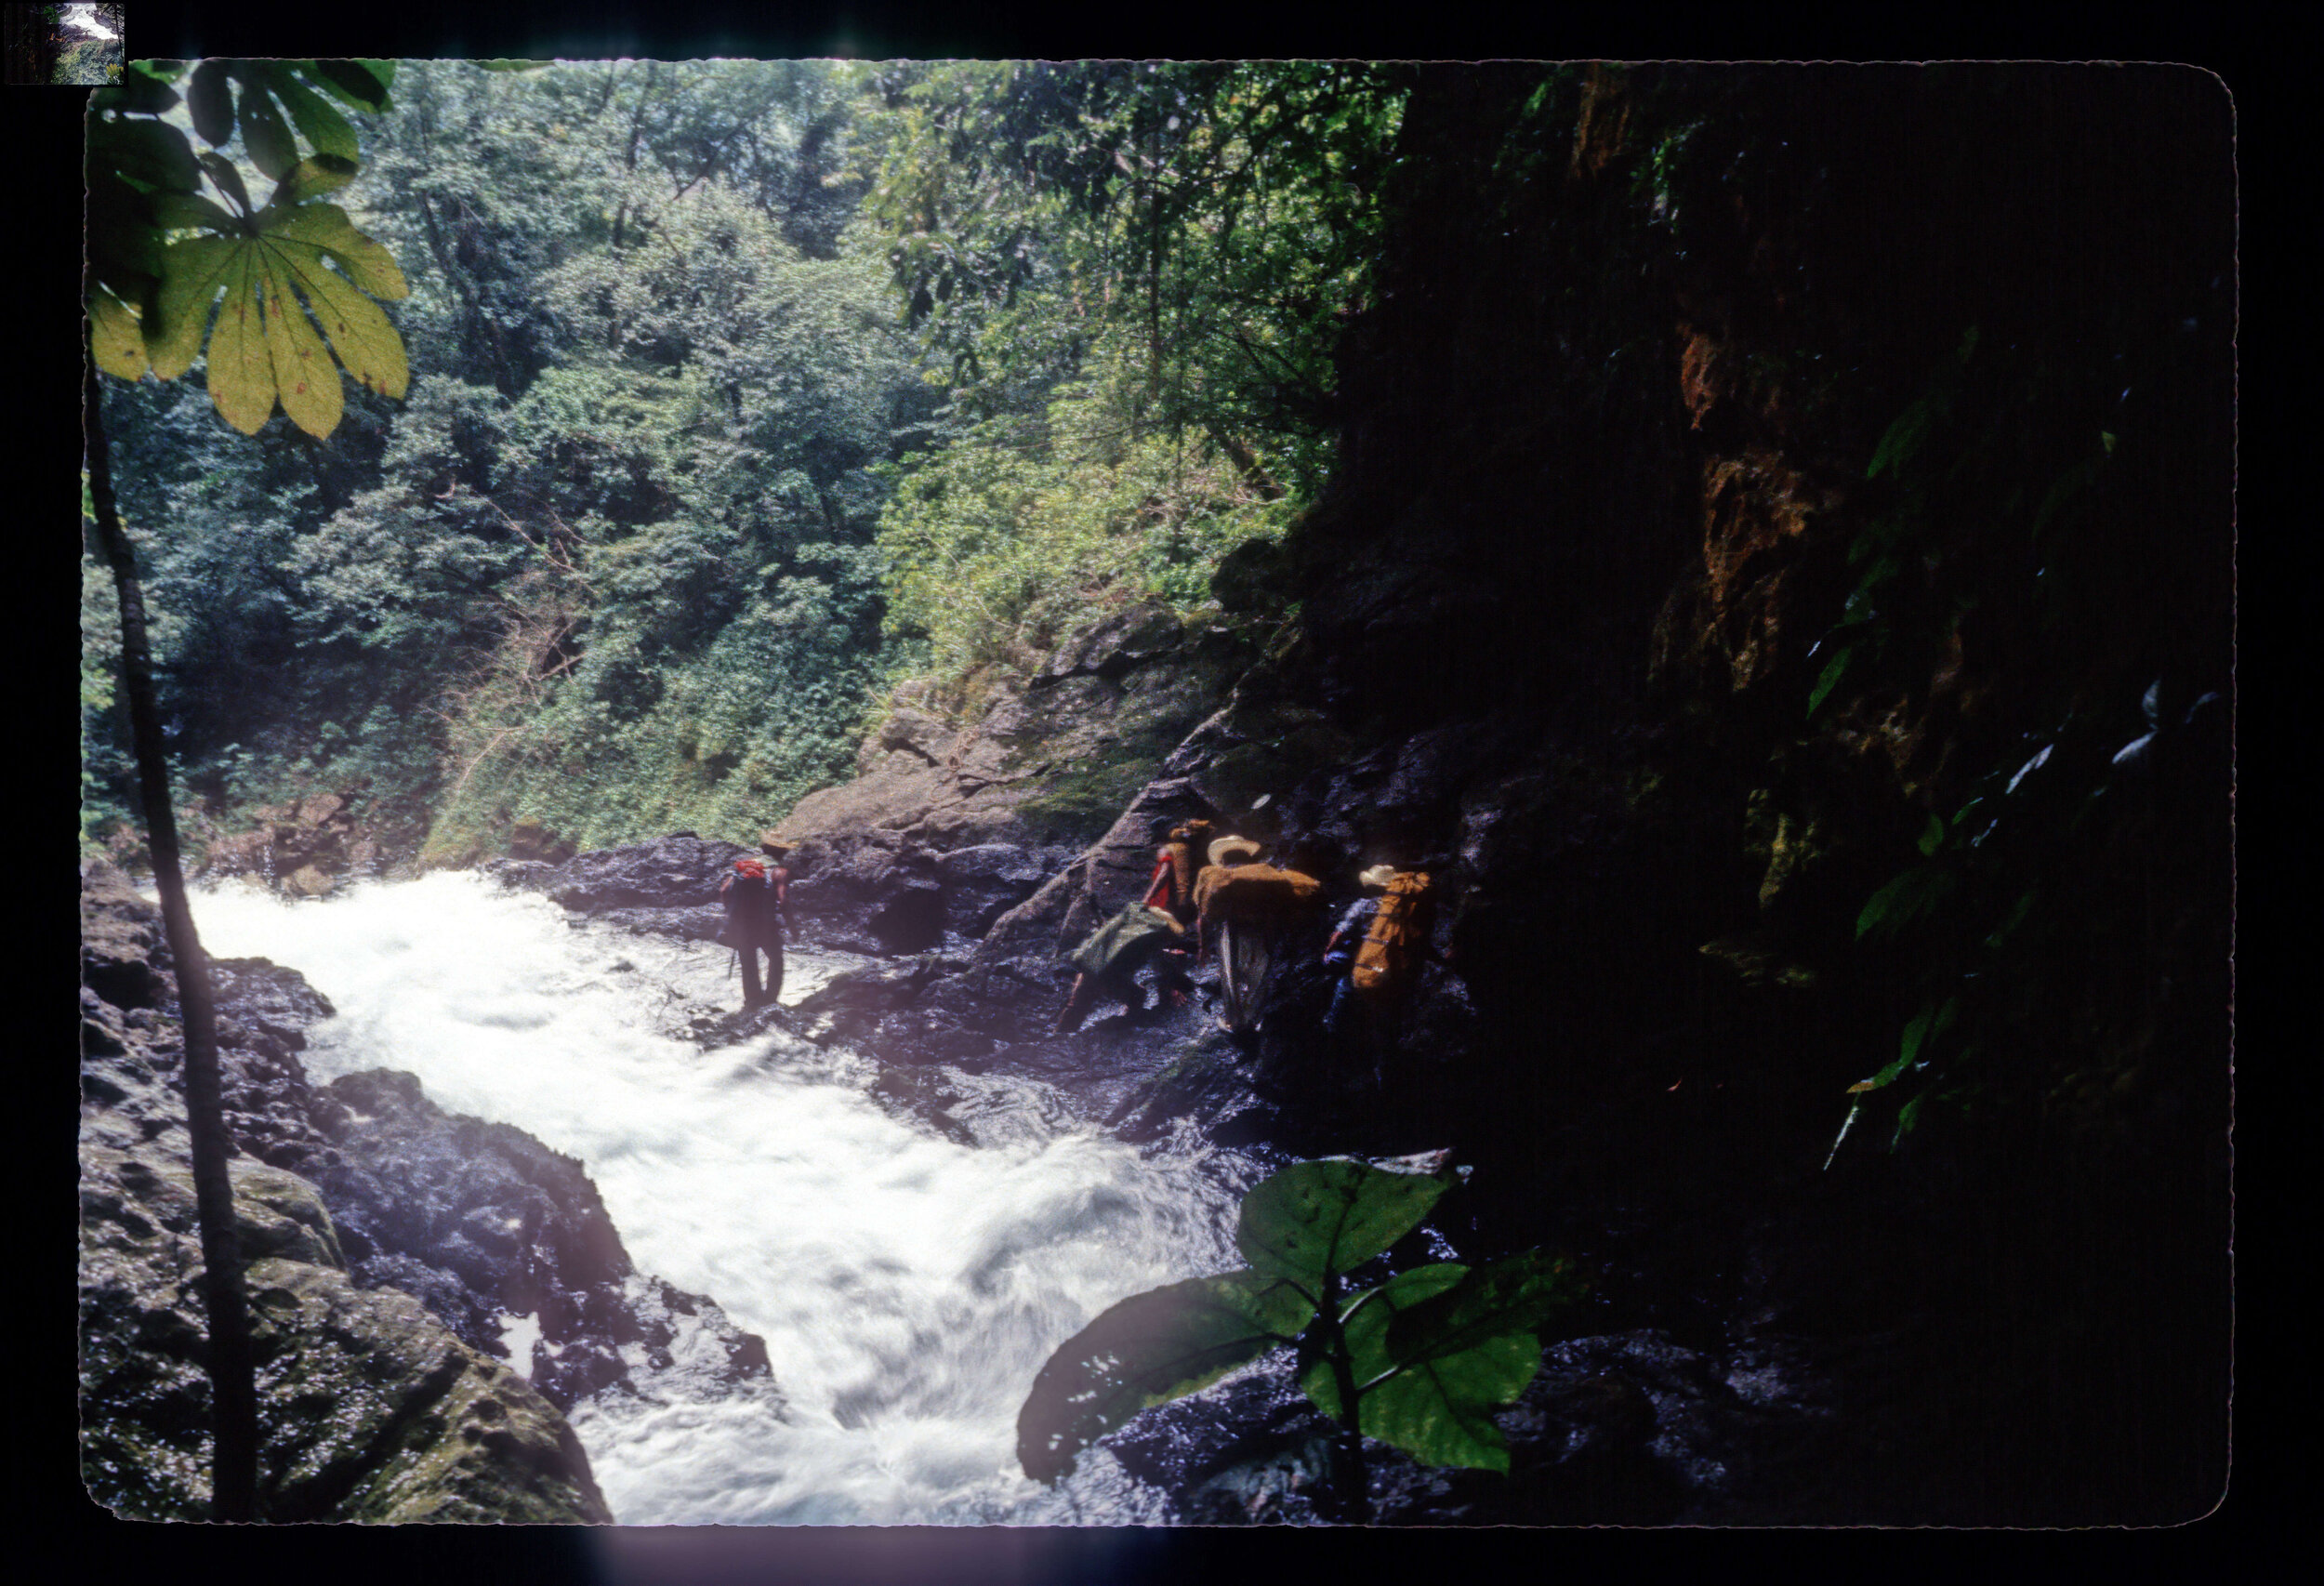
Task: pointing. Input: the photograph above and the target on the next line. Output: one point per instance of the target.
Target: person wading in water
(753, 892)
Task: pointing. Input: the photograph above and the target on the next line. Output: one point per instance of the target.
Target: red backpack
(749, 890)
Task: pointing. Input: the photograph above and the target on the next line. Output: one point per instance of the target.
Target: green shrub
(1419, 1362)
(1001, 544)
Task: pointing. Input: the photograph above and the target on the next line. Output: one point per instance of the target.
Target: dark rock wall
(1602, 497)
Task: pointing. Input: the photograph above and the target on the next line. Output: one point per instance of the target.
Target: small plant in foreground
(1419, 1362)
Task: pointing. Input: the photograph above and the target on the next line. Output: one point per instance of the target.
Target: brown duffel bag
(1254, 891)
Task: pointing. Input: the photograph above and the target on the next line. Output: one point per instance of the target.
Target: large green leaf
(189, 211)
(263, 349)
(312, 178)
(147, 152)
(1319, 1217)
(317, 121)
(1931, 1021)
(114, 340)
(362, 84)
(191, 273)
(125, 246)
(304, 377)
(1904, 899)
(1150, 1349)
(1833, 669)
(227, 180)
(1438, 1408)
(320, 229)
(137, 90)
(210, 102)
(266, 137)
(1516, 1294)
(241, 373)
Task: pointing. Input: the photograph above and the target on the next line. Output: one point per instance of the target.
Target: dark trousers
(1365, 1027)
(770, 944)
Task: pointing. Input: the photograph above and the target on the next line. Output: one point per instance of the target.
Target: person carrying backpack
(753, 892)
(1246, 907)
(1377, 943)
(1176, 864)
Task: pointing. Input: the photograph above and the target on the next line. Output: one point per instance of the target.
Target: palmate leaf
(1437, 1408)
(264, 350)
(1150, 1349)
(1316, 1217)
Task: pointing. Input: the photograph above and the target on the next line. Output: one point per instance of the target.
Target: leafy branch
(1421, 1362)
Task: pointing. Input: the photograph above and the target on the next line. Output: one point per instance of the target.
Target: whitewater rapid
(908, 1287)
(83, 18)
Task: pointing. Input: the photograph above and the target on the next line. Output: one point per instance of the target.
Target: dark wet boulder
(680, 871)
(1210, 1088)
(521, 875)
(703, 922)
(871, 891)
(380, 1295)
(983, 881)
(132, 1073)
(1251, 1450)
(713, 1030)
(482, 1223)
(926, 1095)
(369, 1409)
(1624, 1429)
(124, 956)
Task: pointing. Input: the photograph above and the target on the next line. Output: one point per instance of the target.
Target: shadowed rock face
(387, 1241)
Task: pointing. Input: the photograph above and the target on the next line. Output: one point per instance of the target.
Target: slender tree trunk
(233, 1394)
(1154, 272)
(629, 155)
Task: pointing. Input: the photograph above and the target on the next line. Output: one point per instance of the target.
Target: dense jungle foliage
(739, 392)
(63, 45)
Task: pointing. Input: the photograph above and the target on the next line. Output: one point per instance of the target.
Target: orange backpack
(1385, 956)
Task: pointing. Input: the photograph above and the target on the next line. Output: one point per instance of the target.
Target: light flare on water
(907, 1287)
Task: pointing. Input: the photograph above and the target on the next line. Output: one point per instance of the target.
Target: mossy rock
(369, 1409)
(1077, 805)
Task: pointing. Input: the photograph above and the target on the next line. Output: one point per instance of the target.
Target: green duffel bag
(1134, 925)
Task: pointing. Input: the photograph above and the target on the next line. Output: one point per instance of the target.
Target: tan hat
(1230, 849)
(775, 842)
(1379, 875)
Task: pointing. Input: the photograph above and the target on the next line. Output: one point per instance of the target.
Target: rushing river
(907, 1287)
(85, 18)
